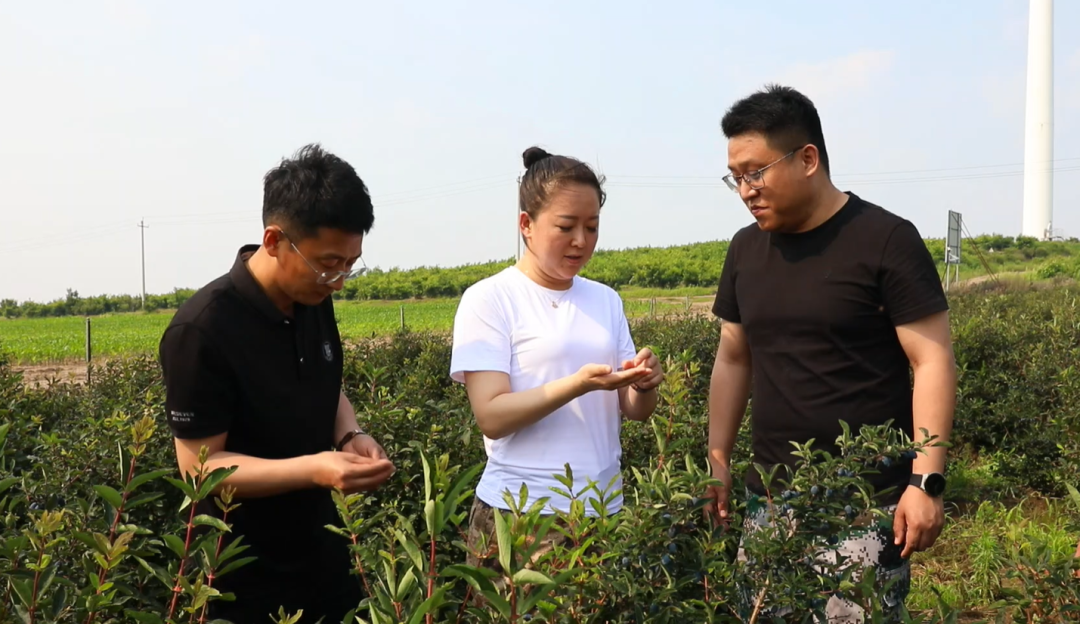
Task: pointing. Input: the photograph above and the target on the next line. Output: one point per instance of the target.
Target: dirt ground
(45, 374)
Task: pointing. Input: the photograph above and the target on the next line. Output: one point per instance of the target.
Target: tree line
(693, 265)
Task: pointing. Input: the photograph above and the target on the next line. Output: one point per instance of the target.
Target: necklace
(555, 302)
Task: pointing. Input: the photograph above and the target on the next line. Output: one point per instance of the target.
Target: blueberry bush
(98, 526)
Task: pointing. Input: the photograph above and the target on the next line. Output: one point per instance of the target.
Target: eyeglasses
(329, 277)
(753, 177)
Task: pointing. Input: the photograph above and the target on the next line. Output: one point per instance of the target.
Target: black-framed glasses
(329, 277)
(752, 177)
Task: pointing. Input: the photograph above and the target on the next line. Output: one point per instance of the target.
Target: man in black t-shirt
(827, 303)
(252, 366)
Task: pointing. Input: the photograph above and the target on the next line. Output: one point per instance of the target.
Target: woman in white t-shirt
(546, 355)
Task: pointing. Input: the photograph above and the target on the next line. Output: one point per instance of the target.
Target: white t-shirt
(507, 323)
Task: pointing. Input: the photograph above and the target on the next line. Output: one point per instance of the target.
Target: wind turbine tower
(1039, 122)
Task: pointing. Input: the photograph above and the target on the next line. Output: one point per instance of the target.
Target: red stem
(183, 560)
(37, 578)
(90, 617)
(360, 566)
(461, 609)
(431, 579)
(210, 574)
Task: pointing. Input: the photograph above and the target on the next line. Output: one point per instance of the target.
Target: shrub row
(696, 264)
(93, 529)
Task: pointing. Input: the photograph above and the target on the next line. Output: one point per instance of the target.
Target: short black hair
(545, 173)
(786, 118)
(316, 189)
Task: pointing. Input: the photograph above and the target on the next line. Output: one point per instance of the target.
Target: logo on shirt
(327, 352)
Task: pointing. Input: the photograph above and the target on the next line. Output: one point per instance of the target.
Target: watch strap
(345, 439)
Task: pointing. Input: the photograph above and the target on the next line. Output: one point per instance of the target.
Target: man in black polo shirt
(252, 366)
(827, 302)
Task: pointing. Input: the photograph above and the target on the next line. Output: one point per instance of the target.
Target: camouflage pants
(483, 543)
(868, 542)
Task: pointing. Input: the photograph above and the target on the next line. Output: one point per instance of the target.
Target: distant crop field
(62, 339)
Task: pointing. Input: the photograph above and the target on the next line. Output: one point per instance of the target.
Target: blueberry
(699, 577)
(672, 548)
(910, 454)
(829, 493)
(35, 507)
(626, 562)
(653, 609)
(666, 560)
(785, 508)
(672, 532)
(821, 511)
(887, 462)
(666, 517)
(814, 491)
(788, 495)
(832, 539)
(849, 511)
(642, 559)
(690, 526)
(527, 617)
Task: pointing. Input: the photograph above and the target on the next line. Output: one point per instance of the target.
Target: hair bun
(534, 155)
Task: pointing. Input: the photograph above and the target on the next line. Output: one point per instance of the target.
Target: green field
(63, 339)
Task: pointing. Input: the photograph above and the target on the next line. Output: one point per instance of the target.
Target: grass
(63, 339)
(988, 521)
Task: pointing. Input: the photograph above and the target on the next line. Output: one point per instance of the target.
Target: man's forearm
(345, 420)
(729, 390)
(933, 405)
(256, 477)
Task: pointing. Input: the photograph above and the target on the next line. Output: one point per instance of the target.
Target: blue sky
(120, 110)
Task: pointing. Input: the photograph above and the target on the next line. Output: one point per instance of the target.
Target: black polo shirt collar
(250, 290)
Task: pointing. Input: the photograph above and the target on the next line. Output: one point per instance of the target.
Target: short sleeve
(910, 285)
(481, 336)
(200, 394)
(726, 305)
(627, 350)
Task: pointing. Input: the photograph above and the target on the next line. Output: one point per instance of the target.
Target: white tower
(1039, 121)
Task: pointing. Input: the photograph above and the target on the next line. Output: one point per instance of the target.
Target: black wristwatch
(933, 483)
(345, 439)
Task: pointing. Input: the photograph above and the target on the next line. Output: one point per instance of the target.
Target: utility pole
(142, 238)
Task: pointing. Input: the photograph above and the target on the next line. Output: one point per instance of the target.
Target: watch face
(934, 484)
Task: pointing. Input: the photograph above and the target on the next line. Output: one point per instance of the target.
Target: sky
(118, 111)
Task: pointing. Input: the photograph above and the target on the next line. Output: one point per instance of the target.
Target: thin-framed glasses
(752, 177)
(329, 277)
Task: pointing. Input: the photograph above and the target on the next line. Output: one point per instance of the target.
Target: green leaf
(502, 531)
(428, 605)
(429, 516)
(175, 544)
(142, 617)
(182, 486)
(406, 584)
(142, 499)
(138, 480)
(1075, 495)
(7, 483)
(214, 480)
(531, 577)
(205, 520)
(427, 477)
(109, 495)
(235, 564)
(23, 589)
(411, 550)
